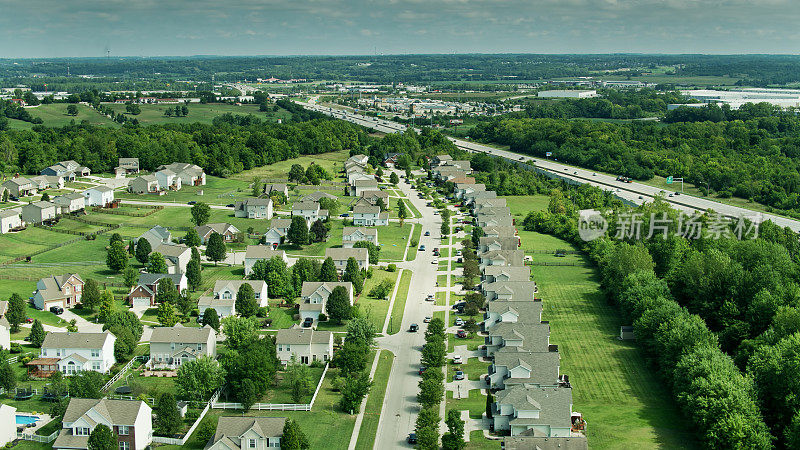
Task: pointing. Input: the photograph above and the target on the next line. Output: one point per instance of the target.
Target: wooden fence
(152, 209)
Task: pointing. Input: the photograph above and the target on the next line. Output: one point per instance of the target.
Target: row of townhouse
(533, 400)
(358, 179)
(171, 177)
(16, 218)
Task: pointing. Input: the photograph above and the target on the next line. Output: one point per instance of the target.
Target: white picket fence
(120, 373)
(38, 438)
(182, 441)
(276, 406)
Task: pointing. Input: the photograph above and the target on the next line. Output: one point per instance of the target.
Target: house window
(95, 353)
(124, 445)
(252, 443)
(288, 349)
(123, 430)
(81, 431)
(199, 346)
(96, 366)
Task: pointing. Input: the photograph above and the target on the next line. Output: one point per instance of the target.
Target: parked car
(413, 328)
(430, 297)
(435, 261)
(230, 205)
(28, 320)
(412, 438)
(421, 370)
(427, 319)
(307, 322)
(461, 334)
(344, 215)
(459, 304)
(456, 359)
(56, 310)
(459, 322)
(422, 248)
(459, 375)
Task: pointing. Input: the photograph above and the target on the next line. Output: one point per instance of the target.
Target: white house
(351, 235)
(360, 186)
(168, 180)
(545, 411)
(189, 174)
(8, 424)
(310, 211)
(5, 334)
(172, 346)
(78, 352)
(255, 253)
(131, 422)
(70, 203)
(176, 256)
(244, 433)
(314, 296)
(364, 215)
(341, 255)
(224, 299)
(307, 344)
(254, 208)
(99, 196)
(10, 219)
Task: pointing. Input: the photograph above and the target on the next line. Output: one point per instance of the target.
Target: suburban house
(226, 230)
(514, 258)
(511, 311)
(391, 160)
(156, 236)
(316, 196)
(131, 423)
(144, 184)
(351, 235)
(176, 256)
(10, 219)
(224, 298)
(440, 159)
(360, 186)
(282, 188)
(8, 424)
(172, 346)
(19, 187)
(255, 253)
(39, 212)
(307, 344)
(484, 221)
(189, 174)
(359, 159)
(533, 337)
(493, 211)
(358, 174)
(490, 203)
(512, 367)
(546, 411)
(315, 295)
(477, 197)
(254, 208)
(370, 216)
(277, 232)
(509, 290)
(281, 225)
(448, 173)
(309, 211)
(5, 334)
(70, 203)
(144, 293)
(78, 352)
(493, 274)
(168, 180)
(463, 165)
(129, 165)
(42, 182)
(341, 255)
(60, 290)
(373, 196)
(99, 196)
(527, 441)
(66, 169)
(497, 231)
(241, 433)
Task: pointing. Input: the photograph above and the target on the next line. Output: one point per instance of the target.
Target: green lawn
(393, 239)
(217, 191)
(412, 250)
(318, 248)
(282, 393)
(55, 115)
(474, 368)
(520, 205)
(369, 425)
(28, 241)
(374, 308)
(399, 307)
(151, 387)
(477, 441)
(203, 113)
(281, 316)
(475, 404)
(333, 162)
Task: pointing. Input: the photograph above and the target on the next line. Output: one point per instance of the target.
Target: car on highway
(456, 359)
(677, 193)
(413, 328)
(427, 319)
(458, 376)
(670, 195)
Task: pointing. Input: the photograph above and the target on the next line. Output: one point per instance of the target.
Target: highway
(634, 192)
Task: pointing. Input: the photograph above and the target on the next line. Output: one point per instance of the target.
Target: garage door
(141, 301)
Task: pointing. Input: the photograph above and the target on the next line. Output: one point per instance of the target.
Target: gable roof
(515, 257)
(280, 223)
(554, 404)
(519, 290)
(233, 285)
(535, 336)
(300, 336)
(117, 412)
(149, 279)
(65, 339)
(172, 250)
(156, 236)
(366, 209)
(231, 428)
(305, 205)
(263, 252)
(181, 334)
(309, 287)
(348, 231)
(543, 366)
(527, 310)
(365, 183)
(101, 189)
(337, 253)
(315, 196)
(220, 228)
(515, 273)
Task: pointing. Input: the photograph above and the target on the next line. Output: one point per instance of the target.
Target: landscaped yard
(475, 404)
(374, 308)
(281, 392)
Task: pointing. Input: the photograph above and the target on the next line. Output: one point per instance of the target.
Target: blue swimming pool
(25, 420)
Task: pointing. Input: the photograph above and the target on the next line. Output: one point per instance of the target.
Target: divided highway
(633, 192)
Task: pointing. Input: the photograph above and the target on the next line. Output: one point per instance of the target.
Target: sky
(63, 28)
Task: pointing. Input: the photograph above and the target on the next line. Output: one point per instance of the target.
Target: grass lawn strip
(369, 425)
(400, 302)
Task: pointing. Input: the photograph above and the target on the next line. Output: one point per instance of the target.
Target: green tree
(201, 212)
(351, 358)
(16, 312)
(166, 315)
(106, 306)
(101, 438)
(156, 263)
(433, 353)
(194, 275)
(318, 231)
(297, 174)
(58, 385)
(258, 187)
(277, 275)
(298, 377)
(298, 231)
(91, 294)
(445, 227)
(361, 331)
(394, 179)
(328, 271)
(338, 305)
(402, 212)
(239, 331)
(293, 437)
(431, 387)
(36, 337)
(185, 304)
(211, 318)
(45, 197)
(454, 439)
(215, 248)
(354, 388)
(72, 110)
(192, 239)
(427, 429)
(130, 275)
(143, 250)
(119, 320)
(246, 305)
(8, 379)
(86, 384)
(197, 379)
(167, 417)
(166, 292)
(374, 250)
(247, 394)
(352, 273)
(117, 257)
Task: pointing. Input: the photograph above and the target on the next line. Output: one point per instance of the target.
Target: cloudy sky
(54, 28)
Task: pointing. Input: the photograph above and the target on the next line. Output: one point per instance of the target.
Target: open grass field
(30, 240)
(55, 115)
(475, 404)
(369, 425)
(203, 113)
(217, 191)
(333, 162)
(520, 205)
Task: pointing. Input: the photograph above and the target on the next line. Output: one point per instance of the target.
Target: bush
(206, 429)
(295, 316)
(391, 268)
(195, 312)
(16, 348)
(414, 243)
(262, 312)
(317, 364)
(323, 317)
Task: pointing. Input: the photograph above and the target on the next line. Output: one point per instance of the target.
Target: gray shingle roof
(309, 287)
(360, 254)
(300, 336)
(179, 333)
(58, 339)
(263, 252)
(231, 427)
(554, 404)
(535, 336)
(118, 412)
(542, 365)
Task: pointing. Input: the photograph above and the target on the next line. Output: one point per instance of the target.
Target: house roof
(65, 339)
(211, 302)
(117, 412)
(493, 211)
(554, 404)
(268, 188)
(172, 250)
(166, 172)
(521, 290)
(230, 428)
(543, 366)
(54, 283)
(347, 231)
(233, 285)
(182, 334)
(40, 205)
(535, 336)
(506, 243)
(365, 183)
(156, 235)
(149, 279)
(100, 188)
(280, 223)
(19, 181)
(9, 213)
(299, 336)
(263, 252)
(515, 257)
(366, 209)
(521, 273)
(491, 203)
(336, 253)
(375, 193)
(309, 287)
(220, 228)
(315, 196)
(528, 310)
(255, 202)
(305, 205)
(500, 231)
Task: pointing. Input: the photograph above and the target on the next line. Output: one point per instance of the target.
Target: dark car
(413, 328)
(192, 202)
(461, 334)
(412, 438)
(427, 233)
(230, 205)
(459, 305)
(308, 322)
(56, 310)
(422, 370)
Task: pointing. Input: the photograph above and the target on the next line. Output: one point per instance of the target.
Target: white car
(456, 359)
(459, 322)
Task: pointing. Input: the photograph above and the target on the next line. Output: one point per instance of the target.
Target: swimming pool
(25, 420)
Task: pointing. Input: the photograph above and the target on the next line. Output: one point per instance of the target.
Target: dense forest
(231, 144)
(612, 104)
(756, 158)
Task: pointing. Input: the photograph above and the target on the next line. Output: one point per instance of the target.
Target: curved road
(633, 192)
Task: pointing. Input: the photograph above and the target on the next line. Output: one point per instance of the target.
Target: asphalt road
(400, 407)
(634, 192)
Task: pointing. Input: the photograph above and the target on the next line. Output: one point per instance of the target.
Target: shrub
(323, 317)
(317, 364)
(295, 316)
(262, 312)
(414, 243)
(391, 268)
